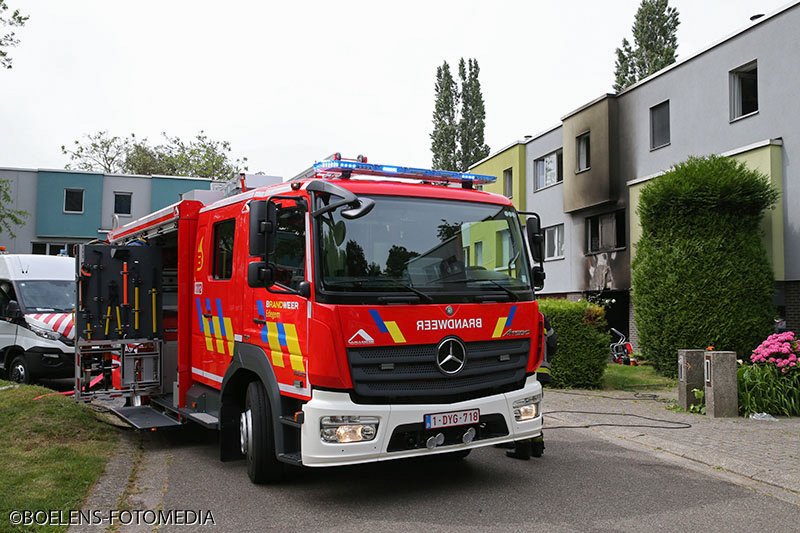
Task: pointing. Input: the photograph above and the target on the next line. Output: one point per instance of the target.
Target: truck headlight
(342, 429)
(45, 333)
(527, 408)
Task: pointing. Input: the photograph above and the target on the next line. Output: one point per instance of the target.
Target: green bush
(701, 275)
(765, 389)
(582, 342)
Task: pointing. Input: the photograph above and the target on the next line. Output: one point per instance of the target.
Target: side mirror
(260, 274)
(537, 277)
(365, 205)
(533, 229)
(13, 310)
(263, 227)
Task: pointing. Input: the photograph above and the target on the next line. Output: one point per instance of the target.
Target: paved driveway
(582, 483)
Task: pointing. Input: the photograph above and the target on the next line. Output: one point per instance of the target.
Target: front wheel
(19, 372)
(257, 438)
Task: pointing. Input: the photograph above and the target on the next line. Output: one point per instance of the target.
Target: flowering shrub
(779, 349)
(772, 383)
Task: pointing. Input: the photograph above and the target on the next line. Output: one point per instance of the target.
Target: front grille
(409, 374)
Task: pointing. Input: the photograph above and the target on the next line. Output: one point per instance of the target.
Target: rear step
(207, 420)
(204, 419)
(145, 417)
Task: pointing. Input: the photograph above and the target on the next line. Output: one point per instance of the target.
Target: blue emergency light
(338, 166)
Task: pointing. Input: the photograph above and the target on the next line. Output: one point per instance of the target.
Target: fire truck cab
(357, 313)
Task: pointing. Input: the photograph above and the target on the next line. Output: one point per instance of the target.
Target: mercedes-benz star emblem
(449, 310)
(451, 354)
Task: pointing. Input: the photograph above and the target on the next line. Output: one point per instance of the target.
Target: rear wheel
(257, 438)
(18, 372)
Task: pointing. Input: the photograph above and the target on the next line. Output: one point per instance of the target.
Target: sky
(288, 83)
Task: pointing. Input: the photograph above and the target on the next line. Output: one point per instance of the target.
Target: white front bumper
(318, 453)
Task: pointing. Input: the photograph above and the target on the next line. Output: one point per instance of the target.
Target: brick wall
(792, 303)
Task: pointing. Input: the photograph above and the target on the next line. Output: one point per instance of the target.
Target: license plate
(453, 418)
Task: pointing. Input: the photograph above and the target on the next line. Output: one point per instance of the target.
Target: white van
(37, 326)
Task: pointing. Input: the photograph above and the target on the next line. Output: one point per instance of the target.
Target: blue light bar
(447, 176)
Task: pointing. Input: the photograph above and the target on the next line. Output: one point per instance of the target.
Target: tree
(655, 40)
(9, 217)
(444, 141)
(200, 156)
(98, 153)
(472, 124)
(459, 118)
(701, 275)
(8, 40)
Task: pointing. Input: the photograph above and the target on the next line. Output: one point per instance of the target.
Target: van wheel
(18, 371)
(256, 437)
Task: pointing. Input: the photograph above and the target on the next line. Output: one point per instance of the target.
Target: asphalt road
(581, 484)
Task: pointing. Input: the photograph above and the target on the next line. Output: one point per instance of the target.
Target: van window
(223, 248)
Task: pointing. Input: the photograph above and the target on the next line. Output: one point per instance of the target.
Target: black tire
(19, 372)
(537, 447)
(262, 463)
(522, 450)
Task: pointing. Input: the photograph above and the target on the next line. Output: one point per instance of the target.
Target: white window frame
(548, 232)
(541, 162)
(614, 216)
(83, 201)
(123, 193)
(735, 81)
(653, 110)
(578, 142)
(479, 253)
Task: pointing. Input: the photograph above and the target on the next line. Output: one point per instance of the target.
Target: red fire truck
(356, 313)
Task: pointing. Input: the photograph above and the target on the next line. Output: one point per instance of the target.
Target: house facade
(584, 176)
(66, 207)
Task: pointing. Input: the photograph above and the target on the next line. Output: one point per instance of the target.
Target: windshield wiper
(511, 294)
(360, 282)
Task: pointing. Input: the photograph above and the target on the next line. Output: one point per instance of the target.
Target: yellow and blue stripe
(504, 322)
(389, 326)
(280, 337)
(217, 330)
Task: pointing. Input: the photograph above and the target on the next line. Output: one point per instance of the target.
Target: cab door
(217, 293)
(279, 321)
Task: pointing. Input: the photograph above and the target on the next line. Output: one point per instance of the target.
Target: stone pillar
(690, 376)
(722, 393)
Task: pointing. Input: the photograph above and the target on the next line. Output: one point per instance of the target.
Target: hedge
(701, 275)
(583, 343)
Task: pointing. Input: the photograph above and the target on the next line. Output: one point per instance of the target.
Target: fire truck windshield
(426, 249)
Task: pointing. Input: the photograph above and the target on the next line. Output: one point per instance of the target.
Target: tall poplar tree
(459, 118)
(655, 43)
(472, 124)
(444, 138)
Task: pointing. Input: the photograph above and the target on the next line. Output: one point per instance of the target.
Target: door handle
(259, 321)
(207, 315)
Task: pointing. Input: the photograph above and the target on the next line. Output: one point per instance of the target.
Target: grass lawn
(620, 377)
(53, 450)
